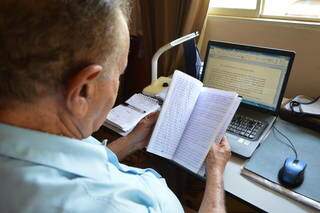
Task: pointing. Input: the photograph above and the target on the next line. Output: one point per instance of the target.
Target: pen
(134, 108)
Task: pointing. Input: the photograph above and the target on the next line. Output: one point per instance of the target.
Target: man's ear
(80, 89)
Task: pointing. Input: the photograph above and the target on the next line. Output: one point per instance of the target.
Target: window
(282, 9)
(248, 4)
(246, 8)
(292, 8)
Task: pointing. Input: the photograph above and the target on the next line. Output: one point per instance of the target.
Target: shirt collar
(81, 157)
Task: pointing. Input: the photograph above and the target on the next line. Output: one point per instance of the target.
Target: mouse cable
(291, 144)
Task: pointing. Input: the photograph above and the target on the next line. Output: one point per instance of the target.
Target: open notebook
(124, 117)
(192, 118)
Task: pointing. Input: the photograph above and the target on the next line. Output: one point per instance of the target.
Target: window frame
(256, 13)
(237, 11)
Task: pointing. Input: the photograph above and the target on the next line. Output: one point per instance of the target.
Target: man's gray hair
(44, 42)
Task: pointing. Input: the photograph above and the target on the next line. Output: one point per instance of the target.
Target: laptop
(259, 75)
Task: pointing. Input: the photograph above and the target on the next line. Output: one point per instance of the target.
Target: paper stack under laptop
(124, 117)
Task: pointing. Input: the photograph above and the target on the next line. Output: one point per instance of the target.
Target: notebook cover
(270, 156)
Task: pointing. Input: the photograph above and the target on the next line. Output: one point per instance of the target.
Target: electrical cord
(293, 104)
(289, 144)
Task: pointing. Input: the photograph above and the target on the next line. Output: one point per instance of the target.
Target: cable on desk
(289, 144)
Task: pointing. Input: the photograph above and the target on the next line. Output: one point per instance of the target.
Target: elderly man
(60, 62)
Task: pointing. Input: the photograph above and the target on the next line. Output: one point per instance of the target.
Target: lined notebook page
(175, 113)
(223, 130)
(206, 122)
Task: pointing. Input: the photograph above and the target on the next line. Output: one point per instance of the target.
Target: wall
(304, 40)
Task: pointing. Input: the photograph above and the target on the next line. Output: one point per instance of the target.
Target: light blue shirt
(40, 172)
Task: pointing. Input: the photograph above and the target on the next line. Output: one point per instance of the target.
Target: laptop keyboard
(246, 127)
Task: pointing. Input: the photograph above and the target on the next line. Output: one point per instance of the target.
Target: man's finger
(152, 117)
(224, 142)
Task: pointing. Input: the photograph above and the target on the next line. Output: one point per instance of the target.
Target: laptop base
(245, 147)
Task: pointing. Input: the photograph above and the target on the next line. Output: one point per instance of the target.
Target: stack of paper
(123, 118)
(304, 105)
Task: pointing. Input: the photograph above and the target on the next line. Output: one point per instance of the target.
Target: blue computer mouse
(292, 172)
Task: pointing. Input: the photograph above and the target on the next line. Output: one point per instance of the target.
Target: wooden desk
(189, 188)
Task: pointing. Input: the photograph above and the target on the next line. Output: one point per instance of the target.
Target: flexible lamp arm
(156, 56)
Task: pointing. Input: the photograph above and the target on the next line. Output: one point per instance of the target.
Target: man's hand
(137, 139)
(218, 156)
(140, 136)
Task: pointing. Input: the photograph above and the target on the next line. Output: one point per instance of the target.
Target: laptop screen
(256, 74)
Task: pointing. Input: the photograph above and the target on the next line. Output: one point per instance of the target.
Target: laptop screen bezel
(259, 49)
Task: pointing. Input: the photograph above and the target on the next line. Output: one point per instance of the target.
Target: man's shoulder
(29, 187)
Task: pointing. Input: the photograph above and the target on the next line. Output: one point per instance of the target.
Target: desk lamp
(155, 58)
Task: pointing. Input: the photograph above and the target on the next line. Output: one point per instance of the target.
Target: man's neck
(41, 116)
